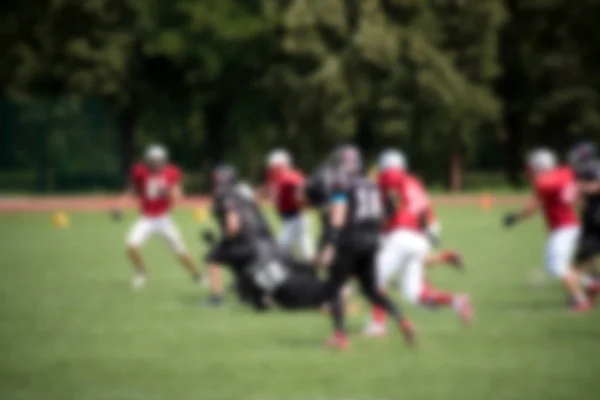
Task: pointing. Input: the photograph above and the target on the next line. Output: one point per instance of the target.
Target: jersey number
(155, 188)
(368, 204)
(270, 276)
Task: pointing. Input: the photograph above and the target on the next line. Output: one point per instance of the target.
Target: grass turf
(70, 327)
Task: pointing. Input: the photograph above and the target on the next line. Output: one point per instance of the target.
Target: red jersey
(285, 186)
(412, 202)
(153, 188)
(556, 191)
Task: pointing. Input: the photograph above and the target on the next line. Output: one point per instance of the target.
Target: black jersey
(590, 172)
(254, 223)
(267, 271)
(365, 212)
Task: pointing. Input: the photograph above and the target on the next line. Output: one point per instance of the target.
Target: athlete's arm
(337, 219)
(589, 187)
(175, 193)
(215, 284)
(300, 194)
(233, 223)
(128, 195)
(264, 193)
(527, 211)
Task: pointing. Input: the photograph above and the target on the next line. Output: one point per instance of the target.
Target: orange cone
(486, 202)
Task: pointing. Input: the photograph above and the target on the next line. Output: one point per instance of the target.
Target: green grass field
(71, 328)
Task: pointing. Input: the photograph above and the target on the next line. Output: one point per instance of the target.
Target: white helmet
(541, 160)
(279, 157)
(156, 152)
(392, 159)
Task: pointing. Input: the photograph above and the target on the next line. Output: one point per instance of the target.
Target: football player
(555, 194)
(585, 162)
(286, 187)
(352, 242)
(406, 244)
(156, 185)
(241, 224)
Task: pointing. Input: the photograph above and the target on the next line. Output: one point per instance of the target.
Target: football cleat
(139, 281)
(375, 330)
(465, 309)
(338, 341)
(454, 259)
(592, 292)
(214, 301)
(408, 331)
(581, 307)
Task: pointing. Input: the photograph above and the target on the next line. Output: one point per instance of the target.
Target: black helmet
(224, 175)
(582, 153)
(347, 158)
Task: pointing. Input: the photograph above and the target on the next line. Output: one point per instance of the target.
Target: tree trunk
(364, 136)
(215, 141)
(456, 171)
(513, 164)
(127, 119)
(127, 113)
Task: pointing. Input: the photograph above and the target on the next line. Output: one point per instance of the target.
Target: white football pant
(560, 249)
(403, 253)
(296, 235)
(163, 226)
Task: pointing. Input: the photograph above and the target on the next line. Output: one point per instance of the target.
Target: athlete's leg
(366, 275)
(139, 233)
(388, 263)
(304, 238)
(560, 250)
(444, 257)
(286, 238)
(170, 232)
(588, 248)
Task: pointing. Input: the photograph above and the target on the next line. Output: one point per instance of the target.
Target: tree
(407, 73)
(551, 54)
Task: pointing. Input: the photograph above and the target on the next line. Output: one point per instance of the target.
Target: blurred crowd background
(463, 86)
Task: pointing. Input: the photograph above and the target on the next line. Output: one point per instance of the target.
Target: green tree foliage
(550, 85)
(228, 80)
(415, 74)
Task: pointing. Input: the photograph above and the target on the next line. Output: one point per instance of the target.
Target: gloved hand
(116, 215)
(433, 232)
(208, 237)
(510, 220)
(214, 300)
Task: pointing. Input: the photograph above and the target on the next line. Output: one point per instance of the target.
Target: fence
(69, 145)
(50, 145)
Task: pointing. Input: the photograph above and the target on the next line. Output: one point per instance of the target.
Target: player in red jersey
(286, 188)
(156, 185)
(555, 194)
(406, 247)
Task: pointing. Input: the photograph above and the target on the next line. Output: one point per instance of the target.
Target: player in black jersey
(241, 224)
(586, 164)
(355, 215)
(273, 277)
(264, 274)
